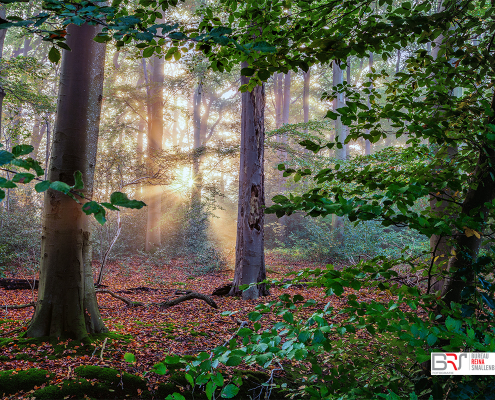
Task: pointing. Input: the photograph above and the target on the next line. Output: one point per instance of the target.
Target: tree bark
(67, 305)
(155, 138)
(250, 258)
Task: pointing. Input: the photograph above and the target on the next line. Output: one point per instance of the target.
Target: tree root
(163, 304)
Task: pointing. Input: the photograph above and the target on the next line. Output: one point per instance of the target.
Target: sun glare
(183, 181)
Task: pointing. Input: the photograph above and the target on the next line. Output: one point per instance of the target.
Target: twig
(18, 306)
(103, 348)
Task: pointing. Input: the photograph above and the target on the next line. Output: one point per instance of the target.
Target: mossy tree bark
(67, 305)
(250, 257)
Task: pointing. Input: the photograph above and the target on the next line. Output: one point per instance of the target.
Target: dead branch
(163, 304)
(17, 306)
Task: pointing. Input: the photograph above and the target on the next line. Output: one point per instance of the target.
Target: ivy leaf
(120, 199)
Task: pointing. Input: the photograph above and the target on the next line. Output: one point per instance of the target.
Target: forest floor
(150, 333)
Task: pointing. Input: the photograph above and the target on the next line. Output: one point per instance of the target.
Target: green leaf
(42, 186)
(5, 157)
(110, 206)
(229, 391)
(175, 396)
(79, 184)
(92, 207)
(54, 55)
(148, 52)
(233, 361)
(4, 183)
(130, 358)
(210, 389)
(60, 186)
(247, 71)
(21, 150)
(120, 199)
(264, 74)
(158, 368)
(23, 177)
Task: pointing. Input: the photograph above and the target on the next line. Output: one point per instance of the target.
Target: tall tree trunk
(67, 305)
(340, 136)
(39, 129)
(155, 139)
(3, 32)
(307, 78)
(198, 143)
(278, 99)
(250, 257)
(439, 245)
(367, 143)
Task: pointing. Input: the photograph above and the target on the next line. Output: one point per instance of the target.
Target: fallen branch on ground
(162, 304)
(17, 306)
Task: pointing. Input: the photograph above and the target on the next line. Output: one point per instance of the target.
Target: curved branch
(163, 304)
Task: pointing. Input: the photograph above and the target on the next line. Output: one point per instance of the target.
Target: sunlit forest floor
(150, 333)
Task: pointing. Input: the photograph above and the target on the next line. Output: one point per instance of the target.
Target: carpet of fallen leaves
(186, 329)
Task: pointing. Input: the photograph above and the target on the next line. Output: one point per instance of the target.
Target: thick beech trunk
(250, 258)
(67, 305)
(155, 138)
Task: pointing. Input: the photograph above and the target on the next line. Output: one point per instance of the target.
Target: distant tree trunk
(307, 77)
(250, 258)
(338, 79)
(39, 129)
(367, 143)
(347, 128)
(198, 143)
(3, 32)
(278, 99)
(340, 136)
(155, 139)
(286, 111)
(67, 305)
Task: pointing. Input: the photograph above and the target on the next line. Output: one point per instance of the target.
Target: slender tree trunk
(155, 138)
(250, 258)
(3, 32)
(278, 100)
(340, 136)
(196, 189)
(38, 133)
(306, 88)
(367, 143)
(67, 305)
